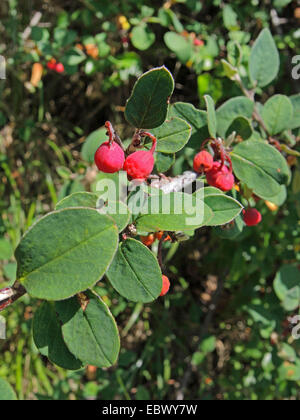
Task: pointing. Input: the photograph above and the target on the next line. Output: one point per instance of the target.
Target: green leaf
(229, 69)
(242, 127)
(48, 338)
(281, 197)
(91, 144)
(208, 345)
(231, 231)
(164, 162)
(142, 37)
(224, 208)
(135, 272)
(230, 110)
(230, 18)
(73, 57)
(180, 45)
(6, 391)
(173, 212)
(277, 114)
(148, 105)
(281, 3)
(295, 123)
(261, 167)
(64, 37)
(6, 250)
(289, 371)
(78, 199)
(40, 34)
(172, 135)
(66, 252)
(264, 59)
(117, 210)
(211, 116)
(287, 287)
(195, 118)
(234, 53)
(89, 330)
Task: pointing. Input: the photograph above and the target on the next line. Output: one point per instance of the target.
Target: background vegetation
(222, 332)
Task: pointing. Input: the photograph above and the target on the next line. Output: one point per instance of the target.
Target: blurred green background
(222, 332)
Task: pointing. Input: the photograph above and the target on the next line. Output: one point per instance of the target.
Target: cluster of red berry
(221, 176)
(55, 66)
(152, 237)
(110, 158)
(217, 173)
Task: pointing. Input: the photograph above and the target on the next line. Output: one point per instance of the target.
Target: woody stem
(10, 294)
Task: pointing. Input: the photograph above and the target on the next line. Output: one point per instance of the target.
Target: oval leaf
(66, 252)
(142, 37)
(180, 45)
(164, 162)
(264, 59)
(78, 199)
(261, 167)
(242, 127)
(295, 123)
(195, 118)
(148, 105)
(172, 135)
(277, 114)
(135, 272)
(287, 287)
(173, 212)
(48, 338)
(89, 329)
(211, 116)
(230, 110)
(116, 209)
(224, 208)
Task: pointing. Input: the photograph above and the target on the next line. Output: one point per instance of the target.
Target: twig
(168, 185)
(34, 21)
(10, 294)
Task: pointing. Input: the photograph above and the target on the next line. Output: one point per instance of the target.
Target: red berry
(59, 68)
(159, 235)
(51, 64)
(139, 165)
(252, 217)
(165, 286)
(203, 162)
(148, 240)
(220, 177)
(198, 42)
(109, 158)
